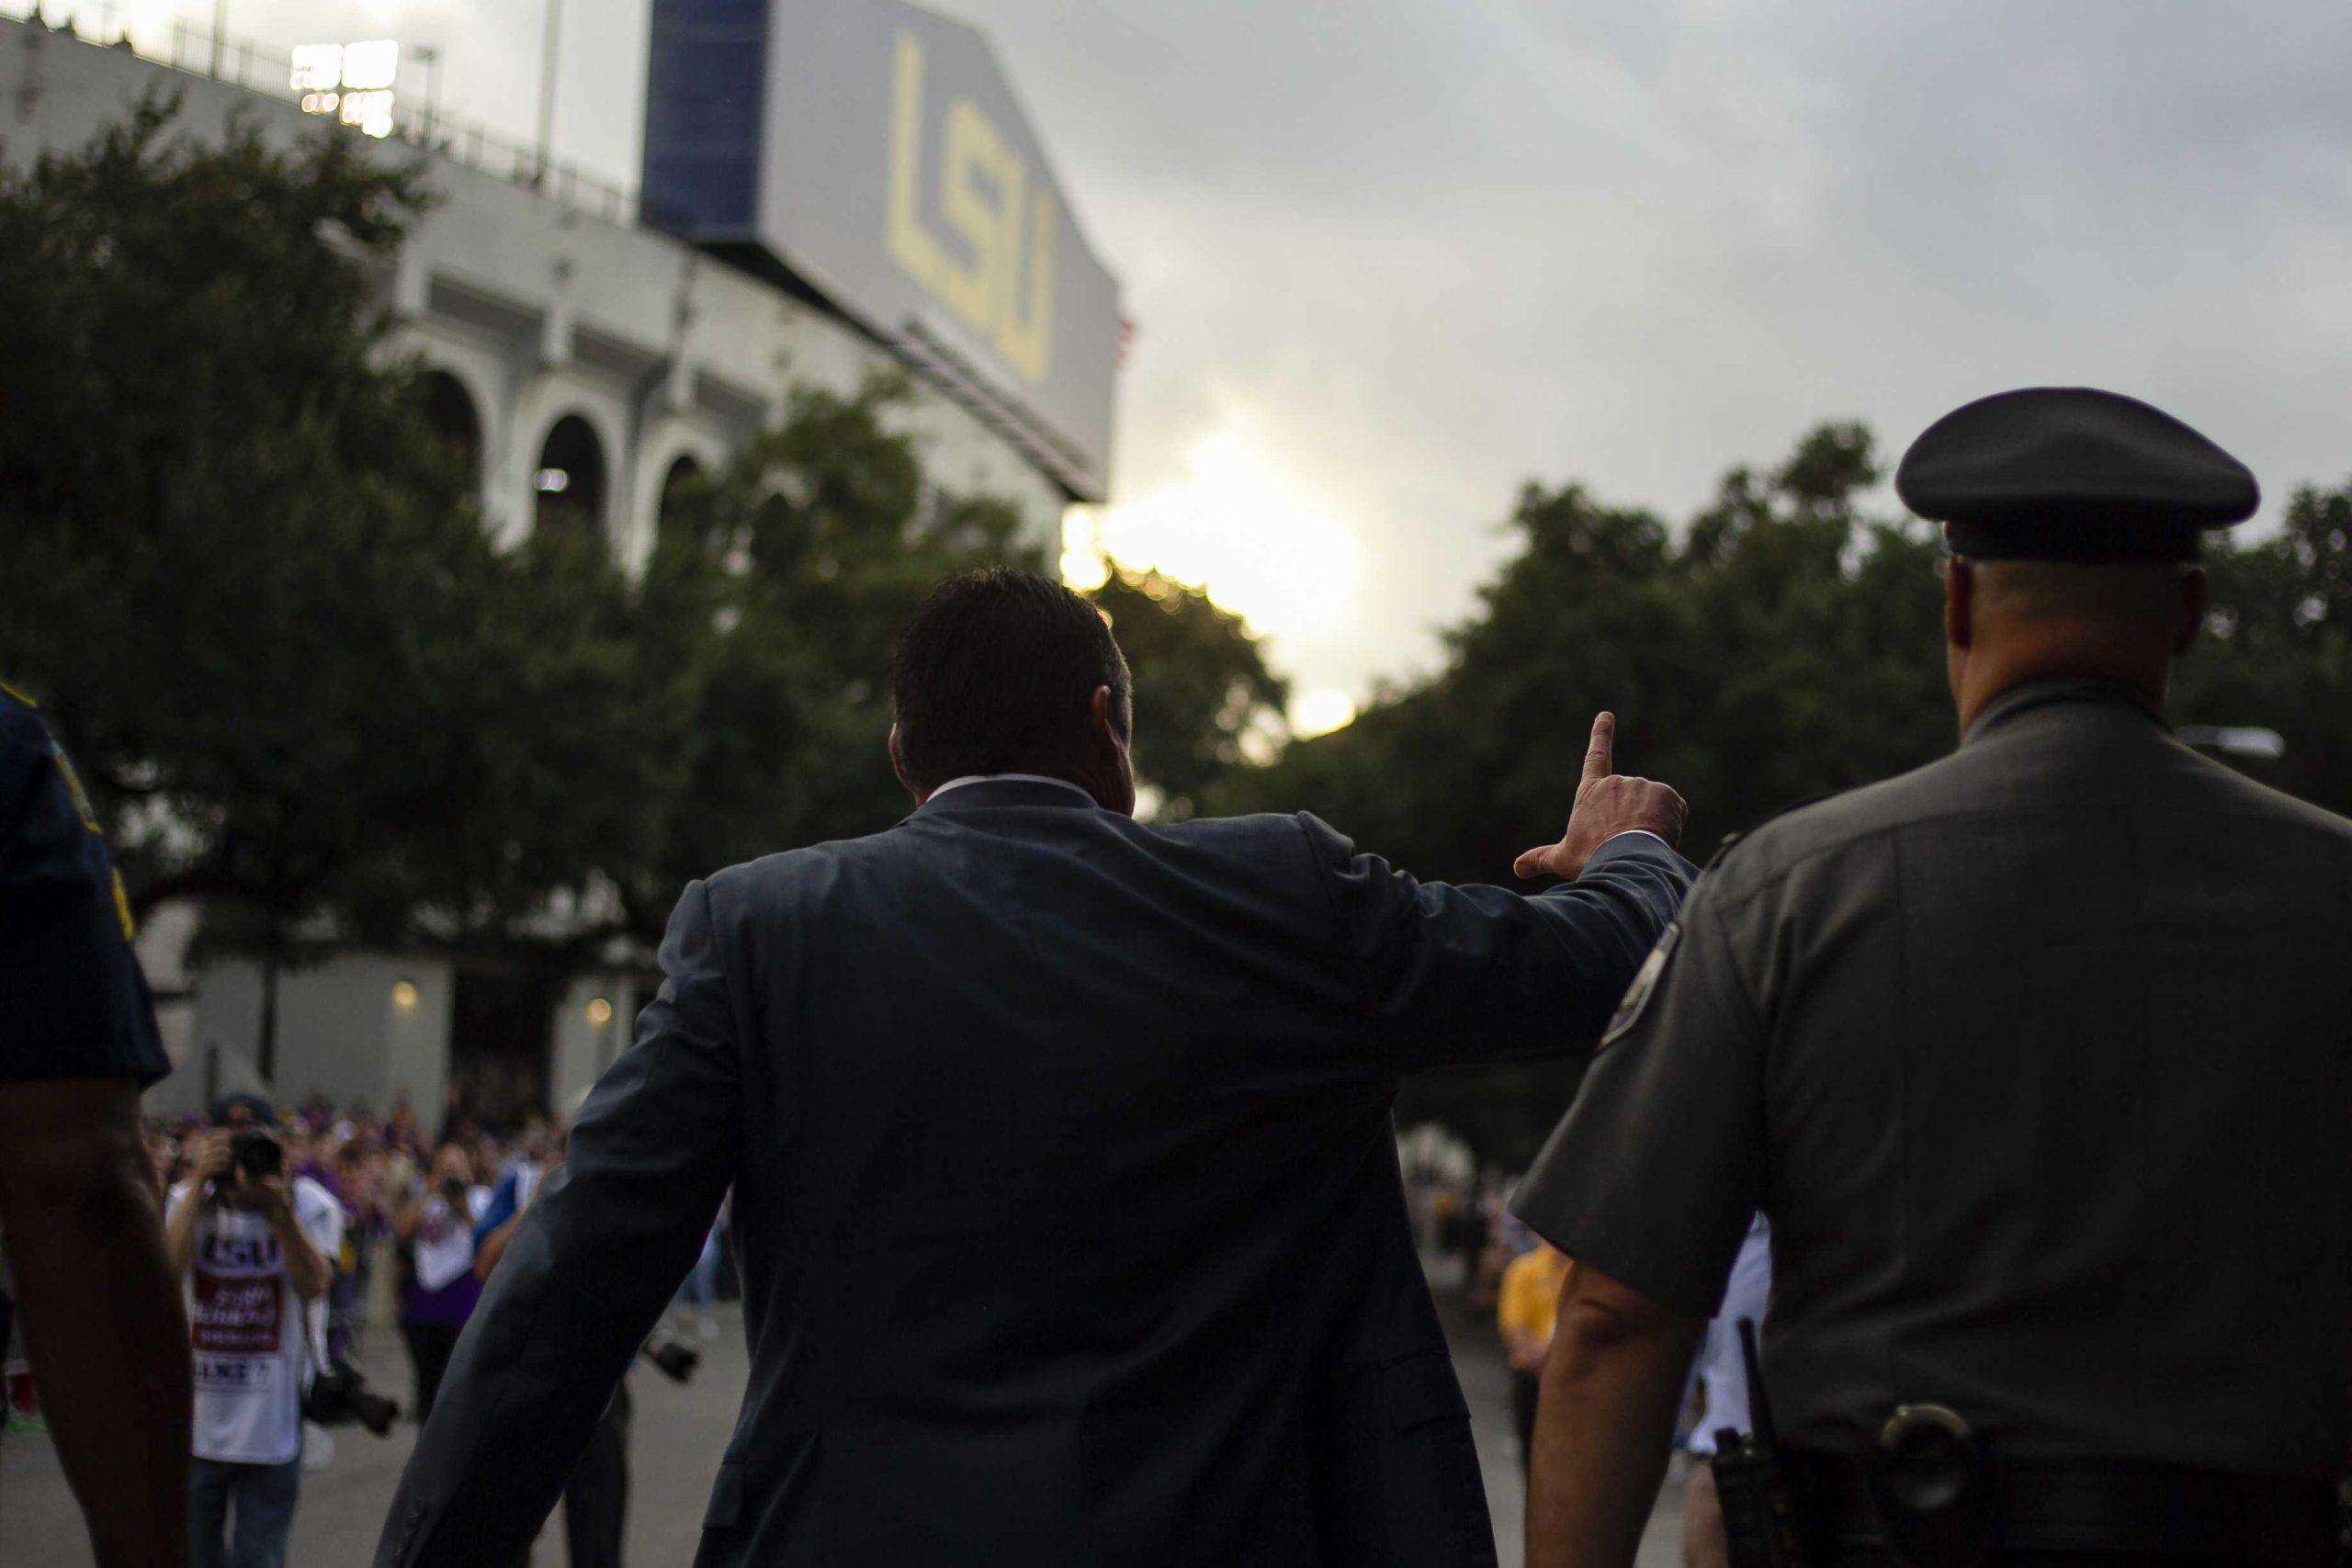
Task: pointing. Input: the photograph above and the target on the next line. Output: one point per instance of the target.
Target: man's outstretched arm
(1481, 975)
(586, 1274)
(1605, 1422)
(102, 1318)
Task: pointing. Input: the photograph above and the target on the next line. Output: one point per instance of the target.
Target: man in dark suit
(1065, 1187)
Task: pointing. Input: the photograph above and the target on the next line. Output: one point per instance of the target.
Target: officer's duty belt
(2102, 1505)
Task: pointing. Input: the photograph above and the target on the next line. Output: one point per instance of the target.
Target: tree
(1201, 683)
(2278, 647)
(770, 615)
(1782, 647)
(245, 575)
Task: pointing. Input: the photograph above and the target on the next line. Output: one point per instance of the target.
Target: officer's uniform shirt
(2040, 1059)
(72, 1002)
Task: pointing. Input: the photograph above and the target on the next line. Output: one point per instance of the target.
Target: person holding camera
(253, 1248)
(436, 1232)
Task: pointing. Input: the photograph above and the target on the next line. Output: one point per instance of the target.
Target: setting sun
(1241, 524)
(1321, 711)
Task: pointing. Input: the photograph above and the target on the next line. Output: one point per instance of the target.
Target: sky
(1390, 259)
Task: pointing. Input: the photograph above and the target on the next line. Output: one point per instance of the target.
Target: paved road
(679, 1436)
(680, 1432)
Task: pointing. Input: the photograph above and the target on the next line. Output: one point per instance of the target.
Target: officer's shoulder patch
(1644, 985)
(8, 690)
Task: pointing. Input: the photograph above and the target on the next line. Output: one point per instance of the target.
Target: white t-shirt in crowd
(444, 1239)
(1722, 1368)
(246, 1328)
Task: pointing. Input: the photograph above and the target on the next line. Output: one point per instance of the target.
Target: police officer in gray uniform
(2040, 1059)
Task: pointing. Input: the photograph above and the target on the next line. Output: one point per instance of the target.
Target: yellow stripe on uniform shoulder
(81, 806)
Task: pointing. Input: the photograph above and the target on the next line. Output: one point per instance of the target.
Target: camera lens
(258, 1154)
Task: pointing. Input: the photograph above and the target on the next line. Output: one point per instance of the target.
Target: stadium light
(352, 82)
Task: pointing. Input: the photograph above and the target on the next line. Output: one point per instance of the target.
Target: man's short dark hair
(995, 676)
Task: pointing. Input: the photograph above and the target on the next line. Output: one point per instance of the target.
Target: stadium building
(829, 188)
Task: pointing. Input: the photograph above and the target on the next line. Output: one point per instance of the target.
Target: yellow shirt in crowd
(1531, 1299)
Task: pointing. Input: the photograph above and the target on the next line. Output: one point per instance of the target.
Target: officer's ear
(1959, 603)
(2196, 596)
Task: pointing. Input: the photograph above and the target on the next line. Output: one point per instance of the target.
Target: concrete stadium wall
(341, 1033)
(539, 309)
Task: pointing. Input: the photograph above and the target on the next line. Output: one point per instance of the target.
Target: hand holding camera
(211, 1161)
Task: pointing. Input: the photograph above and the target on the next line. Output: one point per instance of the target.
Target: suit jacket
(1066, 1195)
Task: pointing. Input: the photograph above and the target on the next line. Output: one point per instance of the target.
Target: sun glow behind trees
(1251, 530)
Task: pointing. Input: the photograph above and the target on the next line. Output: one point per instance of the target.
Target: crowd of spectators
(281, 1224)
(410, 1196)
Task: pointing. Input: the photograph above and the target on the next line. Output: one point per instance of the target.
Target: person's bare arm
(306, 1270)
(1605, 1422)
(102, 1318)
(494, 1245)
(209, 1164)
(1458, 976)
(493, 1248)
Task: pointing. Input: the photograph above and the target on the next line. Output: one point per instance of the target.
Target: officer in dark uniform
(79, 1211)
(2040, 1059)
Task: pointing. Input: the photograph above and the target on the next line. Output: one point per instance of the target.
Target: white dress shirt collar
(1009, 778)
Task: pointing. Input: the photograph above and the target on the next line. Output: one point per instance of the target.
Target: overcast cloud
(1422, 250)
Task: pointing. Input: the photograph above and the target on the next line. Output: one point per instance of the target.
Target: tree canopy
(1201, 683)
(243, 573)
(1784, 644)
(252, 588)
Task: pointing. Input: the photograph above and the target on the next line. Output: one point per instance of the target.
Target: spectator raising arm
(102, 1308)
(208, 1163)
(307, 1269)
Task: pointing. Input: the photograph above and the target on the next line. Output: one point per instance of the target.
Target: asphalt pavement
(679, 1433)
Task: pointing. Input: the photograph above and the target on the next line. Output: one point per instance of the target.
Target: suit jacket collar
(2030, 694)
(993, 793)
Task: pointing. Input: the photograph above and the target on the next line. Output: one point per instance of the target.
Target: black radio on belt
(1760, 1509)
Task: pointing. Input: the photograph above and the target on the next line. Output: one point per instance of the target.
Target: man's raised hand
(1607, 803)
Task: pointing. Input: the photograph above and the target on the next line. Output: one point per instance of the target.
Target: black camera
(676, 1361)
(257, 1155)
(340, 1397)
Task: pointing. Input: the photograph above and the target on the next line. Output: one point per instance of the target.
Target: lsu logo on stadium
(1005, 293)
